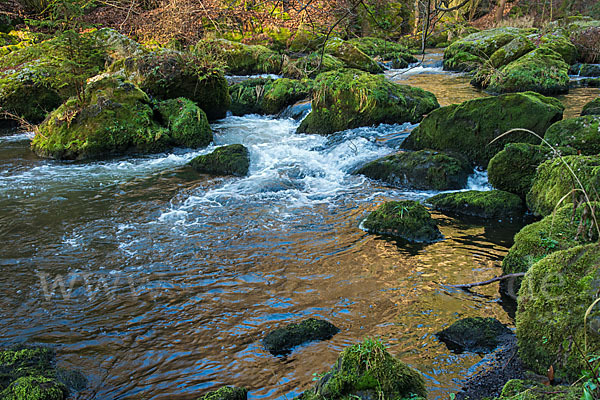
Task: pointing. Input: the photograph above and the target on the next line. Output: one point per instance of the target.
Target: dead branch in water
(495, 279)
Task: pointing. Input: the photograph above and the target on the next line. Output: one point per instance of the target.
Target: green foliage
(406, 219)
(495, 204)
(350, 98)
(470, 127)
(242, 59)
(422, 170)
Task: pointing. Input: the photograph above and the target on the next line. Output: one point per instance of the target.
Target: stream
(159, 283)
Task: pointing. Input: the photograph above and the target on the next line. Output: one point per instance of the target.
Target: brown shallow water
(176, 277)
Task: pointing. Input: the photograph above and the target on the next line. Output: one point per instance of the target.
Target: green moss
(305, 40)
(516, 389)
(283, 340)
(553, 181)
(242, 59)
(422, 170)
(581, 134)
(381, 48)
(310, 66)
(227, 160)
(469, 128)
(513, 168)
(542, 70)
(463, 61)
(474, 334)
(592, 70)
(169, 74)
(495, 204)
(591, 108)
(351, 98)
(226, 393)
(186, 122)
(352, 56)
(406, 219)
(560, 44)
(267, 96)
(511, 51)
(553, 233)
(553, 299)
(34, 388)
(367, 370)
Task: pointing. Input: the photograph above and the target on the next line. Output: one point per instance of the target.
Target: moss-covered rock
(581, 134)
(591, 108)
(562, 230)
(34, 388)
(350, 98)
(495, 204)
(116, 117)
(474, 334)
(470, 127)
(186, 122)
(592, 70)
(267, 96)
(242, 59)
(553, 299)
(542, 70)
(367, 371)
(352, 56)
(517, 389)
(511, 51)
(422, 170)
(227, 160)
(513, 168)
(405, 219)
(282, 340)
(310, 66)
(380, 48)
(560, 44)
(467, 53)
(169, 74)
(226, 393)
(305, 40)
(553, 181)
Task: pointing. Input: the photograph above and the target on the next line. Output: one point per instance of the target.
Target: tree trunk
(500, 11)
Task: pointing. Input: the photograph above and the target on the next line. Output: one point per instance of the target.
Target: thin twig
(495, 279)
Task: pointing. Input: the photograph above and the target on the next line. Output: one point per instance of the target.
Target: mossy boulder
(169, 74)
(560, 231)
(381, 48)
(352, 56)
(553, 312)
(226, 393)
(470, 127)
(553, 181)
(495, 204)
(405, 219)
(421, 170)
(468, 53)
(310, 66)
(34, 388)
(513, 168)
(305, 40)
(115, 118)
(473, 334)
(591, 108)
(592, 70)
(282, 341)
(243, 59)
(582, 134)
(267, 96)
(367, 371)
(517, 389)
(511, 51)
(233, 159)
(560, 44)
(350, 98)
(542, 70)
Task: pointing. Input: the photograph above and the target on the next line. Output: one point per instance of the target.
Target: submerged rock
(554, 315)
(422, 170)
(582, 134)
(470, 127)
(476, 334)
(168, 74)
(405, 219)
(226, 393)
(350, 98)
(267, 96)
(281, 341)
(513, 168)
(227, 160)
(367, 371)
(591, 108)
(495, 204)
(542, 70)
(553, 181)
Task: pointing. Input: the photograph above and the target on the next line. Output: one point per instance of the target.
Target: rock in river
(281, 341)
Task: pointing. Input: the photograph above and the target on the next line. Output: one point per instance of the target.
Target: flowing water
(159, 283)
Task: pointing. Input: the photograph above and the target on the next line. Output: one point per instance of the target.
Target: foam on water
(17, 137)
